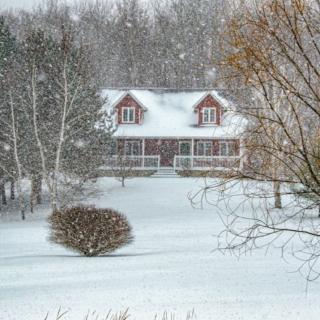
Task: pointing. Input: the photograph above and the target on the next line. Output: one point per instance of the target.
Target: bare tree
(272, 47)
(14, 138)
(123, 168)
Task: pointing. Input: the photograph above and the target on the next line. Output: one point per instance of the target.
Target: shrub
(89, 230)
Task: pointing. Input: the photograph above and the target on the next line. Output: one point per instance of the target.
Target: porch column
(143, 146)
(192, 152)
(241, 154)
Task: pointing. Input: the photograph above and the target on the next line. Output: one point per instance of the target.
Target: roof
(171, 114)
(124, 94)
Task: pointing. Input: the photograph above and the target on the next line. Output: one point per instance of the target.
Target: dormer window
(209, 115)
(128, 115)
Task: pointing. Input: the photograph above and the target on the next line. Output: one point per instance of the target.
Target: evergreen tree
(7, 55)
(7, 46)
(12, 119)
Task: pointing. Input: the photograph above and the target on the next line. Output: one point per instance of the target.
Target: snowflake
(6, 147)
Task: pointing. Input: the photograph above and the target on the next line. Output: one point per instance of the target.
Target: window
(209, 115)
(132, 148)
(228, 149)
(184, 148)
(112, 147)
(204, 148)
(128, 115)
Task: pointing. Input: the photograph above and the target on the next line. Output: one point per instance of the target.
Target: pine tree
(11, 118)
(7, 55)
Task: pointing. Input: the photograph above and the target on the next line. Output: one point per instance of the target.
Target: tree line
(132, 43)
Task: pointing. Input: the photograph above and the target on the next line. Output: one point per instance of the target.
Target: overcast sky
(25, 4)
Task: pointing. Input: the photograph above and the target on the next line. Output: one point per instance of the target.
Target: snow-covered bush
(89, 230)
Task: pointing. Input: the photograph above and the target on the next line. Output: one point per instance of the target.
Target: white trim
(134, 114)
(242, 154)
(176, 137)
(205, 163)
(208, 93)
(227, 143)
(190, 148)
(201, 99)
(135, 162)
(143, 150)
(132, 141)
(204, 141)
(132, 96)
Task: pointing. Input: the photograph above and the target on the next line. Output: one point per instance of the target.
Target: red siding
(215, 148)
(128, 101)
(166, 148)
(209, 101)
(151, 147)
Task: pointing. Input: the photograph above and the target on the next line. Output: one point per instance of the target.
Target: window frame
(131, 154)
(190, 148)
(206, 142)
(127, 110)
(228, 148)
(211, 111)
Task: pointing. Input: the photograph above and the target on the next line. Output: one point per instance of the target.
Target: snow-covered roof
(119, 97)
(171, 114)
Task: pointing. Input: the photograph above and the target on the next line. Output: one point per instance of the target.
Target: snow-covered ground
(170, 266)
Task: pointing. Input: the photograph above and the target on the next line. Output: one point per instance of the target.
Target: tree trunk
(17, 160)
(39, 189)
(277, 195)
(122, 181)
(36, 188)
(21, 200)
(12, 194)
(3, 193)
(53, 200)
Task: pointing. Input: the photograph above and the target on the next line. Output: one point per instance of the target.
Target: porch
(179, 163)
(175, 154)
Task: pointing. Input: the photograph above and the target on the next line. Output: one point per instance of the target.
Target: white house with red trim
(194, 129)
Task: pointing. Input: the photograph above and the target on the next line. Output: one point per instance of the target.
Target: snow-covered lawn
(170, 266)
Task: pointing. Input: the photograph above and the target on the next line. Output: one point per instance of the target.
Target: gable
(128, 97)
(125, 102)
(208, 101)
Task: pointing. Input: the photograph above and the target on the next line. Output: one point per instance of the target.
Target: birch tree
(63, 106)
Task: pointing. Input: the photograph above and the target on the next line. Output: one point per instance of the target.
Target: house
(187, 129)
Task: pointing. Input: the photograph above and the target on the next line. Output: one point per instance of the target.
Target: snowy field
(169, 267)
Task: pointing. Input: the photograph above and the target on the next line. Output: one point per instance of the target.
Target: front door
(167, 150)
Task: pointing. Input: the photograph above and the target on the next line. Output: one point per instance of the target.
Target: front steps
(165, 172)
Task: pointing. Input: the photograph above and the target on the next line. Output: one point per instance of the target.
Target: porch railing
(205, 163)
(134, 162)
